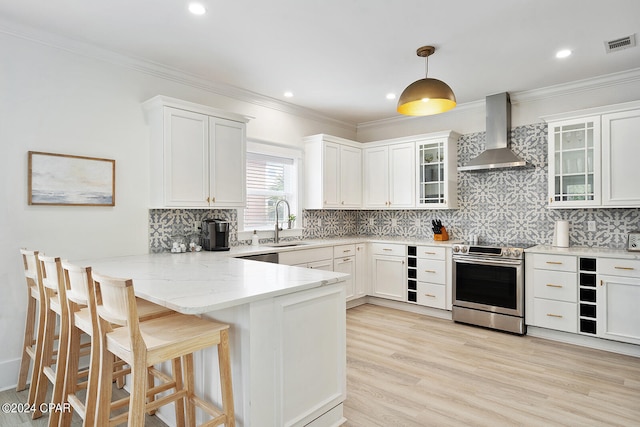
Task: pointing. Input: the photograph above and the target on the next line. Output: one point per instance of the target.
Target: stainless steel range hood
(497, 153)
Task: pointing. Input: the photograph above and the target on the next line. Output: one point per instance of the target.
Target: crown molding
(162, 71)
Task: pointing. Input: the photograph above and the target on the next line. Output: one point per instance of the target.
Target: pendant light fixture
(426, 96)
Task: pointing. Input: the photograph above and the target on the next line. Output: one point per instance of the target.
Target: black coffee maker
(215, 235)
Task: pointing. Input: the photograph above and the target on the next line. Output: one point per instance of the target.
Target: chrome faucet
(276, 235)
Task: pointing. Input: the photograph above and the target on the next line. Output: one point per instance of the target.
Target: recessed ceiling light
(391, 96)
(563, 53)
(288, 94)
(197, 8)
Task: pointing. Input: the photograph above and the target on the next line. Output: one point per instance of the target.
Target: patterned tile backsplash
(504, 205)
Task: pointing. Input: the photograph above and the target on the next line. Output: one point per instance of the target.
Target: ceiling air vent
(619, 44)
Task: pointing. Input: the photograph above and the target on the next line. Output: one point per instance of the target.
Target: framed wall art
(66, 180)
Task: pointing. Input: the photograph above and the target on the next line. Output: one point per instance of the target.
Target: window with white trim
(272, 175)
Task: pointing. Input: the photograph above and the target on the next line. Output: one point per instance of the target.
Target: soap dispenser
(255, 241)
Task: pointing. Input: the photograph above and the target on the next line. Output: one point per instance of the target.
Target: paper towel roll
(561, 234)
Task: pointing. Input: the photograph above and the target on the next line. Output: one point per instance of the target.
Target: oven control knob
(516, 253)
(506, 252)
(463, 249)
(456, 249)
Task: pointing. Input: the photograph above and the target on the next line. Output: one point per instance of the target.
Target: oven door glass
(488, 286)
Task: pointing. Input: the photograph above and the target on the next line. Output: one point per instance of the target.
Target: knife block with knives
(439, 231)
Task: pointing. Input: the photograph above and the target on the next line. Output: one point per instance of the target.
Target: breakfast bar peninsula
(287, 336)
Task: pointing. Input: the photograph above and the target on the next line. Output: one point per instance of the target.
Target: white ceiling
(341, 57)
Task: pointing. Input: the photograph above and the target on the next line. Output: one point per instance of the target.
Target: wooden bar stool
(53, 361)
(143, 344)
(78, 285)
(34, 324)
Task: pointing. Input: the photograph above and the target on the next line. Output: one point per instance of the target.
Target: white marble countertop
(584, 251)
(201, 282)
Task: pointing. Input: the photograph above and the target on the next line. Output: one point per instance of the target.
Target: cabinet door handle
(213, 200)
(208, 200)
(624, 268)
(601, 282)
(554, 262)
(553, 286)
(342, 202)
(559, 316)
(429, 295)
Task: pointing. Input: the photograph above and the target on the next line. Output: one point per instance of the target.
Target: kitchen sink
(285, 244)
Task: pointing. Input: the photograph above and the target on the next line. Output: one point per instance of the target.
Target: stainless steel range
(488, 286)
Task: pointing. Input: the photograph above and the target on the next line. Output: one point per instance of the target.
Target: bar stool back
(143, 344)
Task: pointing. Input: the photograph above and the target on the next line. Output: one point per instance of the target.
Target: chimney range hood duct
(497, 153)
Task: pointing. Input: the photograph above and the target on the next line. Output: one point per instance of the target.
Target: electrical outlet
(591, 226)
(394, 222)
(418, 223)
(371, 223)
(319, 223)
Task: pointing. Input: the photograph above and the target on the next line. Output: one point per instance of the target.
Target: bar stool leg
(176, 369)
(29, 339)
(224, 363)
(139, 382)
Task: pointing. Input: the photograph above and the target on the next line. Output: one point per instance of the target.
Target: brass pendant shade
(426, 96)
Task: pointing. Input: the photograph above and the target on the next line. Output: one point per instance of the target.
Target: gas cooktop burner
(491, 250)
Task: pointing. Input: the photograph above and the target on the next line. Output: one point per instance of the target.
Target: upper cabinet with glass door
(574, 162)
(437, 175)
(593, 157)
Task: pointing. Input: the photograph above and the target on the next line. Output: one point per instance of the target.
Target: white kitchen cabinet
(592, 157)
(551, 293)
(197, 155)
(333, 173)
(437, 173)
(431, 276)
(574, 159)
(389, 176)
(388, 271)
(620, 158)
(361, 278)
(618, 296)
(347, 264)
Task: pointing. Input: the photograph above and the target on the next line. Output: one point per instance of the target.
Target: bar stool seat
(143, 344)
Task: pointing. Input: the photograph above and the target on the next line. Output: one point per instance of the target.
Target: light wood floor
(405, 369)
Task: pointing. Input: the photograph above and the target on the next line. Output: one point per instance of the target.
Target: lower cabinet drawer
(559, 315)
(431, 295)
(619, 267)
(388, 249)
(555, 285)
(431, 271)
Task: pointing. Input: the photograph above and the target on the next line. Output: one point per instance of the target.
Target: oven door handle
(484, 261)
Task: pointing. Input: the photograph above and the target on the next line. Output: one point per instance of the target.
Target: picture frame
(68, 180)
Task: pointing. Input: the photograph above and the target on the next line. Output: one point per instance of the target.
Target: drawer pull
(346, 251)
(559, 316)
(624, 268)
(554, 262)
(551, 285)
(346, 260)
(430, 271)
(429, 253)
(429, 295)
(386, 249)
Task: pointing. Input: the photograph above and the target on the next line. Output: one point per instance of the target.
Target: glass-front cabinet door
(574, 162)
(437, 173)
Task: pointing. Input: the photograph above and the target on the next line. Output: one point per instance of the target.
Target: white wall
(58, 101)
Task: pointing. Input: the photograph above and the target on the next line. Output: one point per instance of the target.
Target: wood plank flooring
(406, 369)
